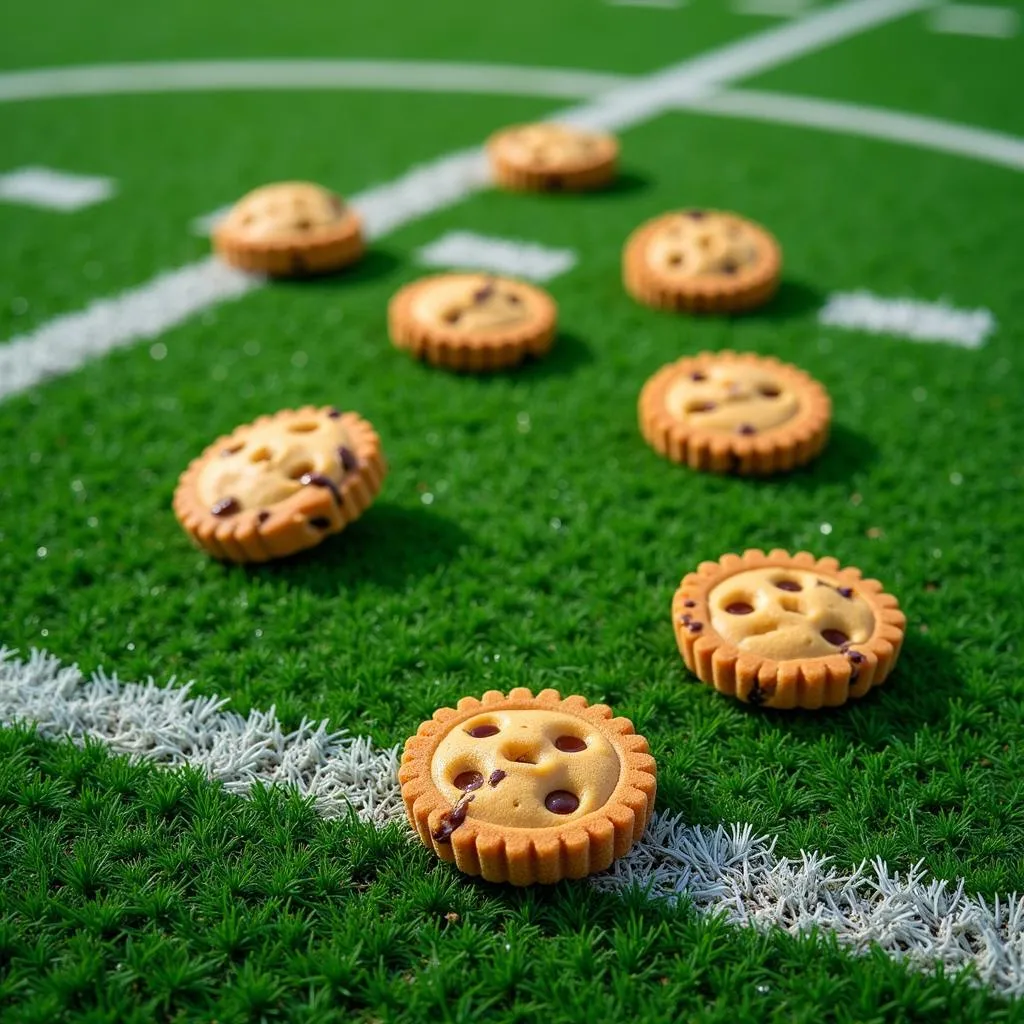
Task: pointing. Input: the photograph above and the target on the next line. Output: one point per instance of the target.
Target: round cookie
(474, 322)
(786, 631)
(701, 261)
(730, 412)
(526, 789)
(289, 229)
(280, 484)
(547, 157)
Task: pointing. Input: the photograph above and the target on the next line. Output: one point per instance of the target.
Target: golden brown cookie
(526, 789)
(474, 322)
(280, 484)
(731, 412)
(548, 157)
(701, 261)
(786, 631)
(290, 229)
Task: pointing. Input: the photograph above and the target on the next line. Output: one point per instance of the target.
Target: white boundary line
(730, 871)
(974, 20)
(51, 189)
(32, 358)
(467, 250)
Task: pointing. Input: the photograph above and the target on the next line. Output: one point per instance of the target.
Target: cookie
(280, 484)
(474, 322)
(526, 789)
(290, 229)
(701, 261)
(730, 412)
(786, 631)
(552, 157)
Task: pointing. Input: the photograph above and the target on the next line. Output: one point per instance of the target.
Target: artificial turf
(526, 535)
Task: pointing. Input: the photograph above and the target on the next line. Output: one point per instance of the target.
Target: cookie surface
(786, 631)
(701, 261)
(289, 229)
(730, 412)
(548, 157)
(280, 484)
(526, 789)
(473, 322)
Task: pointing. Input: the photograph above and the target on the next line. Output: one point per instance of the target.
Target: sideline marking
(468, 250)
(971, 20)
(663, 4)
(450, 179)
(772, 8)
(853, 119)
(50, 189)
(912, 319)
(914, 918)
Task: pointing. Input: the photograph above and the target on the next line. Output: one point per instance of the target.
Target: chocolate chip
(479, 732)
(334, 413)
(496, 776)
(697, 375)
(689, 604)
(452, 819)
(696, 214)
(845, 591)
(695, 627)
(746, 428)
(320, 522)
(468, 781)
(790, 585)
(226, 507)
(739, 608)
(348, 459)
(769, 391)
(701, 407)
(561, 801)
(684, 619)
(231, 450)
(513, 299)
(319, 480)
(855, 656)
(263, 516)
(570, 744)
(835, 636)
(729, 267)
(483, 294)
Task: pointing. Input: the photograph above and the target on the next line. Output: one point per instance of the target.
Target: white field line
(662, 4)
(451, 179)
(908, 318)
(265, 75)
(730, 871)
(871, 122)
(470, 251)
(772, 8)
(974, 20)
(51, 189)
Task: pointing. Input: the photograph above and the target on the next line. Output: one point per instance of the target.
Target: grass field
(525, 536)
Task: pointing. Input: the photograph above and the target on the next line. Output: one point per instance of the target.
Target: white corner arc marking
(728, 870)
(454, 178)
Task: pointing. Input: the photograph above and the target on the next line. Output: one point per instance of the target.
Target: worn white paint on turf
(51, 189)
(730, 871)
(470, 251)
(907, 318)
(974, 20)
(453, 178)
(772, 8)
(871, 122)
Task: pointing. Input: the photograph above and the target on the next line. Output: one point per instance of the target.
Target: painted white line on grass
(264, 75)
(51, 189)
(908, 318)
(872, 122)
(772, 8)
(730, 871)
(470, 251)
(974, 20)
(453, 178)
(662, 4)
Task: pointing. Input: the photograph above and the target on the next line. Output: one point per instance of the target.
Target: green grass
(134, 894)
(553, 542)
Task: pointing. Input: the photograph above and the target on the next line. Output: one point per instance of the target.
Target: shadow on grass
(846, 454)
(374, 264)
(917, 694)
(388, 546)
(792, 300)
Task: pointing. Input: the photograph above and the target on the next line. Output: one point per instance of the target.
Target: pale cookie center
(526, 769)
(473, 304)
(694, 244)
(260, 466)
(275, 212)
(550, 145)
(789, 614)
(733, 398)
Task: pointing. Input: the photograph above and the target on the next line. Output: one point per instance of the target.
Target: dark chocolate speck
(319, 480)
(348, 458)
(452, 819)
(496, 776)
(226, 507)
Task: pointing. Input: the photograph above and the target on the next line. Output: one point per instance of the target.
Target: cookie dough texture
(548, 157)
(701, 261)
(472, 322)
(729, 412)
(527, 789)
(786, 631)
(280, 484)
(289, 229)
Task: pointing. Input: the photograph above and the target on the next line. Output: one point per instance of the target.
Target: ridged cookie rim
(571, 176)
